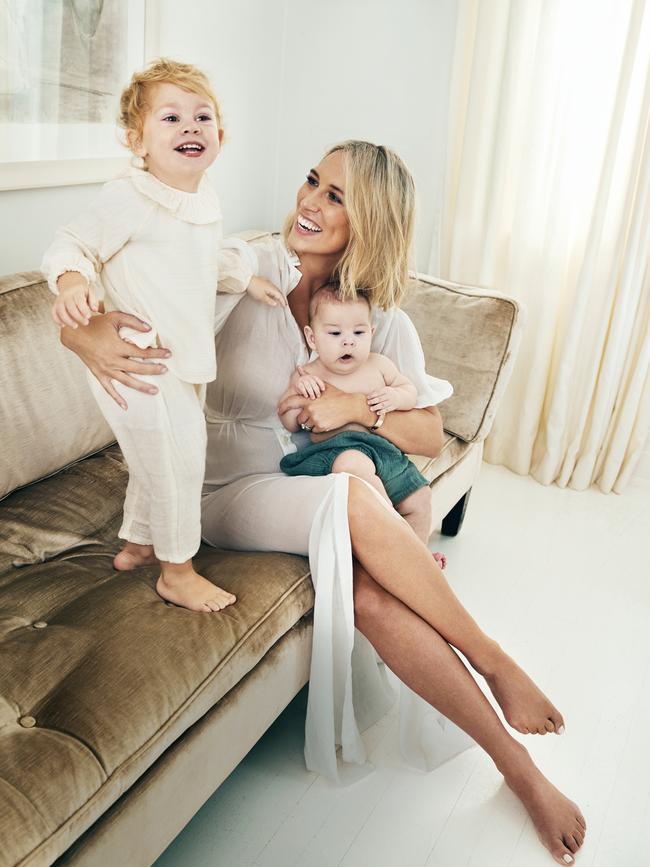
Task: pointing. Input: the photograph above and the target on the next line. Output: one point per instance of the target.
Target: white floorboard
(562, 580)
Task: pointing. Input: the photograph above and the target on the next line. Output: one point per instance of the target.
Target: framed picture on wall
(63, 64)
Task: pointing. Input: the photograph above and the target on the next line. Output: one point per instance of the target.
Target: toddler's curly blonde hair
(133, 102)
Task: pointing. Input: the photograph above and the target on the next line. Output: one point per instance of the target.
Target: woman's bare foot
(180, 584)
(524, 705)
(558, 821)
(132, 555)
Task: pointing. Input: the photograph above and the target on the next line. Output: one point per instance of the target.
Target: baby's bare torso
(365, 379)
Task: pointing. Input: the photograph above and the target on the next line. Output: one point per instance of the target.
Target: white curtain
(547, 198)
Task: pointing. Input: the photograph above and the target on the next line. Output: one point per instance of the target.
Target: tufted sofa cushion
(98, 678)
(43, 390)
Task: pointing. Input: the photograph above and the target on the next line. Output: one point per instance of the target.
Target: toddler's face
(180, 138)
(341, 334)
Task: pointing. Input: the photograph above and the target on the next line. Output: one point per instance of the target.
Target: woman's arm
(415, 431)
(108, 357)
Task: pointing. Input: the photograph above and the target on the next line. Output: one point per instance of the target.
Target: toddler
(150, 246)
(341, 333)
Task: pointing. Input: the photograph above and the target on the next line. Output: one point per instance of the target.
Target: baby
(341, 333)
(150, 246)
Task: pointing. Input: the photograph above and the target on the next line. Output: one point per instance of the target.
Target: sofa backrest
(48, 417)
(470, 337)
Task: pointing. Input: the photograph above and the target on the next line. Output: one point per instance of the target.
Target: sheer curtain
(547, 198)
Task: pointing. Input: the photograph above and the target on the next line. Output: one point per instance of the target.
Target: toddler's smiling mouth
(190, 149)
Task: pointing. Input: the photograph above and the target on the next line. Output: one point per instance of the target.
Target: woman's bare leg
(407, 570)
(423, 660)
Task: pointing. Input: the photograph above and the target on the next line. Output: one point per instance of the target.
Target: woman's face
(321, 222)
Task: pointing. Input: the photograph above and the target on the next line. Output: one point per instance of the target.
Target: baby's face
(180, 138)
(341, 334)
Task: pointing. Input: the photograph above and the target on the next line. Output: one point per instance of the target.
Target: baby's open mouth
(346, 357)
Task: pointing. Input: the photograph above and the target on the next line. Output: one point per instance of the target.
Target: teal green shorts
(399, 475)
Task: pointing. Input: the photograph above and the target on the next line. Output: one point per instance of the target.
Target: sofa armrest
(470, 336)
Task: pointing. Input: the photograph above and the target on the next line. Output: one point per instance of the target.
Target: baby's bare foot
(440, 559)
(131, 556)
(558, 821)
(185, 587)
(524, 705)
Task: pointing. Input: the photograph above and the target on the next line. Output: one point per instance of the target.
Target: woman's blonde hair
(133, 102)
(380, 204)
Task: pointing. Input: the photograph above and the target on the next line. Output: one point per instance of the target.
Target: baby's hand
(75, 302)
(263, 290)
(309, 386)
(383, 400)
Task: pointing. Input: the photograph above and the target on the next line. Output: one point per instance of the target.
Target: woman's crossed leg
(405, 608)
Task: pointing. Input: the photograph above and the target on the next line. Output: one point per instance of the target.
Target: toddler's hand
(74, 304)
(310, 386)
(383, 400)
(263, 290)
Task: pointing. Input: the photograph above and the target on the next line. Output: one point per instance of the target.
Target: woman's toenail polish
(560, 731)
(568, 859)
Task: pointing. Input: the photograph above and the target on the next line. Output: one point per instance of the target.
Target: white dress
(249, 505)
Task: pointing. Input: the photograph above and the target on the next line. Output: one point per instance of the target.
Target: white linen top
(154, 251)
(258, 350)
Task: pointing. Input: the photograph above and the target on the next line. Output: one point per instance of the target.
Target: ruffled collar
(201, 207)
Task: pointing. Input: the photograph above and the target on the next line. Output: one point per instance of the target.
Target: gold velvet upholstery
(470, 337)
(48, 417)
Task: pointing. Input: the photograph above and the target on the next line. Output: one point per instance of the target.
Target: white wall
(293, 77)
(371, 69)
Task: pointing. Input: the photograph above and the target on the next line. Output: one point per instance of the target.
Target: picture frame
(66, 62)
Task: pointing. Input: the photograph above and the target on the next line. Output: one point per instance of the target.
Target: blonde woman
(353, 223)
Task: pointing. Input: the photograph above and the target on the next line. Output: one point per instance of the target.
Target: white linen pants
(163, 440)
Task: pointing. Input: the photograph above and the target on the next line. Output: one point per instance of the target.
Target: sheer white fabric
(249, 505)
(548, 199)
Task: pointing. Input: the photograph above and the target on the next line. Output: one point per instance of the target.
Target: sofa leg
(453, 520)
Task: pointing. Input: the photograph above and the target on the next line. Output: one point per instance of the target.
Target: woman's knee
(355, 463)
(368, 598)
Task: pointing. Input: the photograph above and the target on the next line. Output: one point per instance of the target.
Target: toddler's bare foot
(524, 705)
(131, 556)
(180, 584)
(558, 821)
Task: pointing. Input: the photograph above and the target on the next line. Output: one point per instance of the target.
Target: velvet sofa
(121, 714)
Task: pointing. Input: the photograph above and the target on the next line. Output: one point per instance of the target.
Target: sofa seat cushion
(452, 451)
(98, 676)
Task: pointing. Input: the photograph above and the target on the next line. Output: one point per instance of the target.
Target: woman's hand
(332, 410)
(108, 357)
